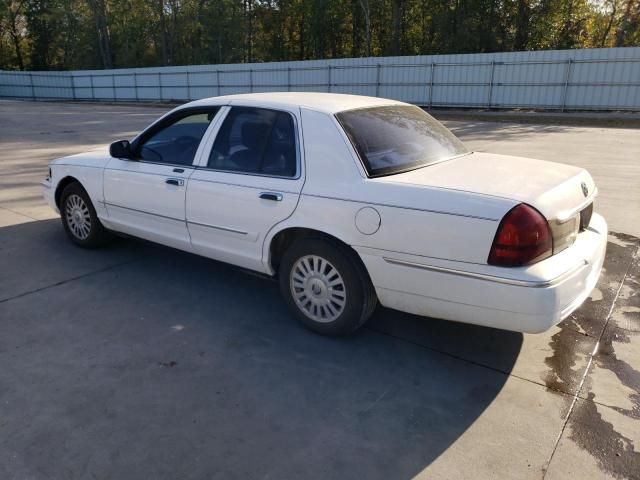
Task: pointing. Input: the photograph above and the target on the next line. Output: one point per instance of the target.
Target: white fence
(588, 79)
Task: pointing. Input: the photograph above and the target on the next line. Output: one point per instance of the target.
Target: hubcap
(317, 288)
(78, 217)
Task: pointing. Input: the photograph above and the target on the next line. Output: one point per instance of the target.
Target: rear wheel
(326, 286)
(79, 218)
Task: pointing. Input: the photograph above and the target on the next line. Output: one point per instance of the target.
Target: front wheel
(79, 218)
(326, 286)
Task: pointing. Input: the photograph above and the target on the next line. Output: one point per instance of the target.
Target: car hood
(94, 158)
(555, 189)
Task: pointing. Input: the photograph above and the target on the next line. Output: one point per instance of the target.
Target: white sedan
(350, 201)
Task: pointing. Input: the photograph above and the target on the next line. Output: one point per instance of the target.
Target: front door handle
(178, 182)
(276, 197)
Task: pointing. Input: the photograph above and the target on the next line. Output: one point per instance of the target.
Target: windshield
(397, 138)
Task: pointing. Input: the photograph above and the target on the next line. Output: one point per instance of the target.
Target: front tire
(326, 286)
(79, 218)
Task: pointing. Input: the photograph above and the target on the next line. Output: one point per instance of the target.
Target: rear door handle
(178, 182)
(276, 197)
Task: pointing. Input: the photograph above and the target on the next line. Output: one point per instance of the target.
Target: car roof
(325, 102)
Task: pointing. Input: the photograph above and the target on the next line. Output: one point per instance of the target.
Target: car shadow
(138, 361)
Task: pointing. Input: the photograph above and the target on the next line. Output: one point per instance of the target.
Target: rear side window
(255, 140)
(398, 138)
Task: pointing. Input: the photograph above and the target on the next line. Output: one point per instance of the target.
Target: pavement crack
(377, 400)
(67, 280)
(18, 213)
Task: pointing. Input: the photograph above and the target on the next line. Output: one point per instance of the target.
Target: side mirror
(121, 149)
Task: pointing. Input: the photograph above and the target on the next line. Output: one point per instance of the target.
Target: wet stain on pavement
(578, 334)
(602, 439)
(570, 349)
(626, 374)
(614, 452)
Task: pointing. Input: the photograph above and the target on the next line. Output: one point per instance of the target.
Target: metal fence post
(113, 86)
(493, 64)
(251, 80)
(218, 81)
(567, 78)
(378, 68)
(73, 87)
(188, 86)
(433, 71)
(33, 90)
(135, 85)
(160, 84)
(93, 95)
(288, 79)
(329, 79)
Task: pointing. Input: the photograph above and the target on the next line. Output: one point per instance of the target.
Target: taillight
(523, 237)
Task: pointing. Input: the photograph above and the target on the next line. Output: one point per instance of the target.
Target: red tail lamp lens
(523, 238)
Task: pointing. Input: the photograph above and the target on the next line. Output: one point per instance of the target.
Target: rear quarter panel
(415, 220)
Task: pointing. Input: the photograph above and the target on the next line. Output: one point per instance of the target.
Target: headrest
(254, 134)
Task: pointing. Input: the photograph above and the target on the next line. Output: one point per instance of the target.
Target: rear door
(145, 196)
(249, 179)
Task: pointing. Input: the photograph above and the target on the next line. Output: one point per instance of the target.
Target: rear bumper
(527, 299)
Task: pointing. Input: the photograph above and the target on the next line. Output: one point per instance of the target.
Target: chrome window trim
(151, 162)
(234, 172)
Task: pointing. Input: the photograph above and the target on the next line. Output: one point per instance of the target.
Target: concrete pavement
(137, 361)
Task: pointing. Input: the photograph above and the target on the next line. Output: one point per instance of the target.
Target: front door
(249, 179)
(145, 196)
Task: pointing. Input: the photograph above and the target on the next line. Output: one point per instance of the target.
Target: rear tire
(326, 286)
(79, 218)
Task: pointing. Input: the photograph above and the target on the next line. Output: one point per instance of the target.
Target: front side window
(177, 142)
(398, 138)
(255, 140)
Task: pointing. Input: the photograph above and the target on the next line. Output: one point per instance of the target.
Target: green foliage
(77, 34)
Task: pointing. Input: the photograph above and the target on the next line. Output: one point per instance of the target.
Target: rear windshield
(398, 138)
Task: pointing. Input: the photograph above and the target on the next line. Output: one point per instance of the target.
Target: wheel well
(285, 238)
(62, 184)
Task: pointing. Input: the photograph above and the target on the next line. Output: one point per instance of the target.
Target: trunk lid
(555, 189)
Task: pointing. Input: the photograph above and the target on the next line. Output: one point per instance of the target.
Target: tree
(99, 12)
(366, 10)
(14, 11)
(63, 34)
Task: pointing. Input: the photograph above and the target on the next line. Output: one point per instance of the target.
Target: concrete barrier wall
(587, 79)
